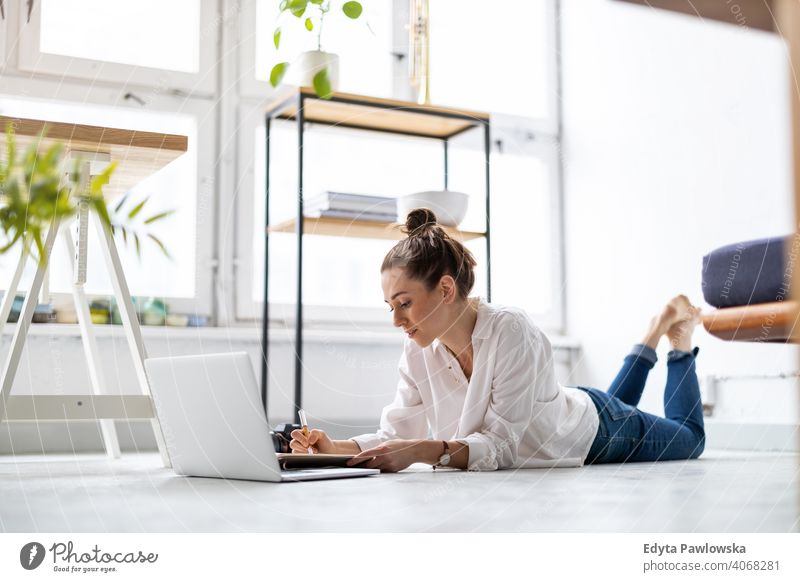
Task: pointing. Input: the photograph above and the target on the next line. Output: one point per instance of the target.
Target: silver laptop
(214, 423)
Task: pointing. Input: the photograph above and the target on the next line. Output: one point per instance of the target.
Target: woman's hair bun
(428, 253)
(420, 220)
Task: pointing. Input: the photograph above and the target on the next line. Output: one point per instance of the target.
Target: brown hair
(429, 253)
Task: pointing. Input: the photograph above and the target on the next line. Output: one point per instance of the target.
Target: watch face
(444, 459)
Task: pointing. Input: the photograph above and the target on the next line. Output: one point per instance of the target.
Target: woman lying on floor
(479, 378)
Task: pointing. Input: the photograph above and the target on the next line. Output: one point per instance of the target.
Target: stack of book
(352, 207)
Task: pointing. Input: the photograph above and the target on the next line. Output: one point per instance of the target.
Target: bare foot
(680, 333)
(677, 310)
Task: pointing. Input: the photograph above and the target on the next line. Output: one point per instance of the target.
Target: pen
(302, 414)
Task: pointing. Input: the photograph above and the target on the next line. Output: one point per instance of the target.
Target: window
(506, 64)
(145, 33)
(344, 271)
(168, 45)
(503, 59)
(139, 65)
(496, 58)
(341, 276)
(524, 210)
(362, 45)
(174, 187)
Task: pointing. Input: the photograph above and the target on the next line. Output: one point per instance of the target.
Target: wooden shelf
(139, 153)
(360, 229)
(763, 322)
(377, 114)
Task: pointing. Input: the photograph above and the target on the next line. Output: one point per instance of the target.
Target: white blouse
(512, 413)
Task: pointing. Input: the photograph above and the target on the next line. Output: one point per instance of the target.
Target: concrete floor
(721, 492)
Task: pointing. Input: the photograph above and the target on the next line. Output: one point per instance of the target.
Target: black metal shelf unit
(303, 106)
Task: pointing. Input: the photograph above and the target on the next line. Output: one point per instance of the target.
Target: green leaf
(102, 179)
(37, 238)
(298, 7)
(317, 2)
(158, 216)
(352, 9)
(309, 25)
(136, 209)
(283, 5)
(138, 245)
(124, 235)
(322, 84)
(11, 144)
(276, 37)
(160, 245)
(121, 203)
(277, 73)
(51, 156)
(100, 207)
(38, 187)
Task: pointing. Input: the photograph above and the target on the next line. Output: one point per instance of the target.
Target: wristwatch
(444, 460)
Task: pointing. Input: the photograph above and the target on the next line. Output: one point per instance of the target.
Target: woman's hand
(316, 439)
(391, 456)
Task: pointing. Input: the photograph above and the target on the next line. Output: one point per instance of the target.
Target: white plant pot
(310, 63)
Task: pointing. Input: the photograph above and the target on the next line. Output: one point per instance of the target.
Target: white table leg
(93, 361)
(25, 318)
(130, 322)
(11, 292)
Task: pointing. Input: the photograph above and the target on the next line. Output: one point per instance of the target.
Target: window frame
(226, 124)
(250, 114)
(249, 86)
(4, 35)
(403, 90)
(548, 150)
(35, 88)
(31, 59)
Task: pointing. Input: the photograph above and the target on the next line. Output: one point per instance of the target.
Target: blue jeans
(626, 434)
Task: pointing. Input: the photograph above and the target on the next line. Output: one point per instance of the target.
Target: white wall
(347, 381)
(349, 378)
(675, 142)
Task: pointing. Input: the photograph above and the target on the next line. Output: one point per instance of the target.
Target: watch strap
(444, 452)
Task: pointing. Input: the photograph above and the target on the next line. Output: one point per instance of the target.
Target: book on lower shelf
(354, 203)
(351, 215)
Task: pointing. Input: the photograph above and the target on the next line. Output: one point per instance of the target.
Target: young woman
(477, 388)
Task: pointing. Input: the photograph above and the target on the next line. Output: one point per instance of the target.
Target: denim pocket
(618, 410)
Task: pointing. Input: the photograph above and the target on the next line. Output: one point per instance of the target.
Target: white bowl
(450, 207)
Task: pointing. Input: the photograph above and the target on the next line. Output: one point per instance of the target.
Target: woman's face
(421, 313)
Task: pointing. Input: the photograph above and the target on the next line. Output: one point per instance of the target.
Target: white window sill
(245, 334)
(242, 334)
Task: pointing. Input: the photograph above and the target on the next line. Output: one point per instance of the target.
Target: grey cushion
(748, 272)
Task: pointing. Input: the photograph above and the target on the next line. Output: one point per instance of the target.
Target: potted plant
(37, 187)
(316, 68)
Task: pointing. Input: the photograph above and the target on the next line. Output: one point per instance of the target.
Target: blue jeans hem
(676, 355)
(645, 353)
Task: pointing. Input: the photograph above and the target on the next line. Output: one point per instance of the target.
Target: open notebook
(316, 461)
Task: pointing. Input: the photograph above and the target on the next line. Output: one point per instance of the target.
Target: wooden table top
(139, 153)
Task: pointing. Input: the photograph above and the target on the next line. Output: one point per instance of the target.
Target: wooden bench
(762, 322)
